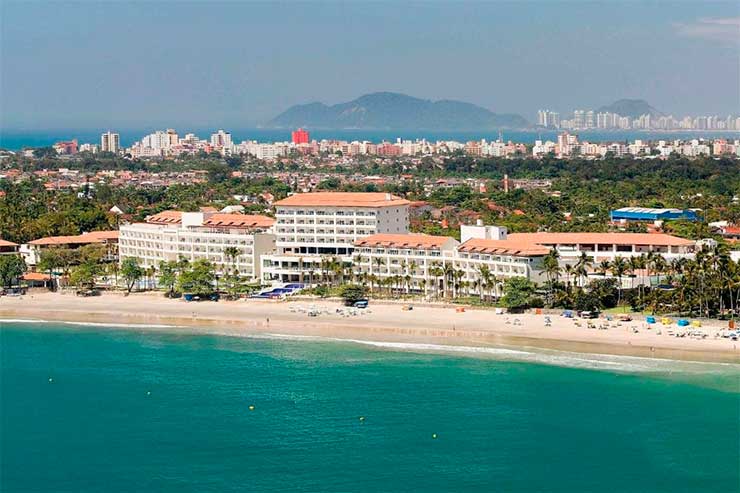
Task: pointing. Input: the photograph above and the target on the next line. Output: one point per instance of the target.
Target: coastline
(382, 323)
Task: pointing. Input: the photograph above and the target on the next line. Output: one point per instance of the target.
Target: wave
(592, 361)
(87, 324)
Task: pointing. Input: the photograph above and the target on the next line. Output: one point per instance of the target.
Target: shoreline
(382, 323)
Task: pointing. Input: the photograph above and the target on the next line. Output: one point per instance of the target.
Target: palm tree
(603, 267)
(633, 265)
(447, 273)
(435, 270)
(618, 267)
(582, 266)
(484, 276)
(379, 262)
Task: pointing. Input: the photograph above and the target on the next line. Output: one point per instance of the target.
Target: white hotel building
(419, 258)
(414, 257)
(171, 235)
(312, 226)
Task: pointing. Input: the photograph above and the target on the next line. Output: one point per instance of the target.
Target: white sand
(382, 322)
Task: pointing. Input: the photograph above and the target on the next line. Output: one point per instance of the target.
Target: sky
(118, 64)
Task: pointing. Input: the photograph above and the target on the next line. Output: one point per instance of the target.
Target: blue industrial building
(648, 214)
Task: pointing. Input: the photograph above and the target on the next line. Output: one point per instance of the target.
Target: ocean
(15, 140)
(121, 409)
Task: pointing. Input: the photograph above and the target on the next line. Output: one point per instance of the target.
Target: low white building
(171, 235)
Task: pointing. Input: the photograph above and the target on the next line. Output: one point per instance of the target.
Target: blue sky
(234, 64)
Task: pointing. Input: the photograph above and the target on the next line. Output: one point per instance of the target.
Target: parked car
(589, 314)
(360, 304)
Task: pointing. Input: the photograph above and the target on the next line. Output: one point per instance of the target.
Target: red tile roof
(503, 247)
(239, 221)
(5, 243)
(600, 238)
(342, 199)
(83, 239)
(419, 241)
(166, 217)
(35, 276)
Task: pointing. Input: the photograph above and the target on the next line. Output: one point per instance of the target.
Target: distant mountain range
(630, 107)
(388, 110)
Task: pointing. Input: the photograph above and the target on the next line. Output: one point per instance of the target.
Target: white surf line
(546, 356)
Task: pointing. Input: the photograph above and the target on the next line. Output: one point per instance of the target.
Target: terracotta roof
(343, 199)
(239, 221)
(503, 247)
(410, 240)
(5, 243)
(166, 217)
(35, 276)
(83, 239)
(600, 238)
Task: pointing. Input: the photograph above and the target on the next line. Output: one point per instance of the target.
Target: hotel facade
(174, 235)
(310, 227)
(367, 234)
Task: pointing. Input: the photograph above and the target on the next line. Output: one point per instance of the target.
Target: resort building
(8, 247)
(488, 254)
(172, 235)
(32, 251)
(313, 226)
(415, 261)
(420, 263)
(608, 246)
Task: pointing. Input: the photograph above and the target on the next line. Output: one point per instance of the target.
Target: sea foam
(592, 361)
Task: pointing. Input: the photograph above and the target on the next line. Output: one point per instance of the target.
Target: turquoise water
(133, 411)
(18, 139)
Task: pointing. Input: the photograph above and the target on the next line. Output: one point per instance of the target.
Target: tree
(352, 293)
(198, 279)
(518, 293)
(618, 268)
(12, 267)
(168, 272)
(83, 275)
(131, 272)
(49, 261)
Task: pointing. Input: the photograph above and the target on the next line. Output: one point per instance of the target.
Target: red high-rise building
(300, 136)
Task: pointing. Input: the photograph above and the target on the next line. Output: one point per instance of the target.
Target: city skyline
(241, 64)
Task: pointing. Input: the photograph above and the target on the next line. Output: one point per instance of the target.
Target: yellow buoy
(251, 408)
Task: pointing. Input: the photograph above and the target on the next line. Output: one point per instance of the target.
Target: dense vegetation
(580, 197)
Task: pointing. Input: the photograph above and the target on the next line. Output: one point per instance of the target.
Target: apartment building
(171, 235)
(312, 226)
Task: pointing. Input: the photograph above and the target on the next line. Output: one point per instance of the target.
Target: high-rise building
(547, 118)
(110, 142)
(579, 119)
(590, 119)
(300, 136)
(221, 139)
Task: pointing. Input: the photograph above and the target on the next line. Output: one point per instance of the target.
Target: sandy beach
(386, 322)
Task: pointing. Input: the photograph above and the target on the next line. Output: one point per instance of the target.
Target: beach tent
(650, 320)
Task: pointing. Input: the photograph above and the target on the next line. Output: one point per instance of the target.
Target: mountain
(387, 110)
(630, 107)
